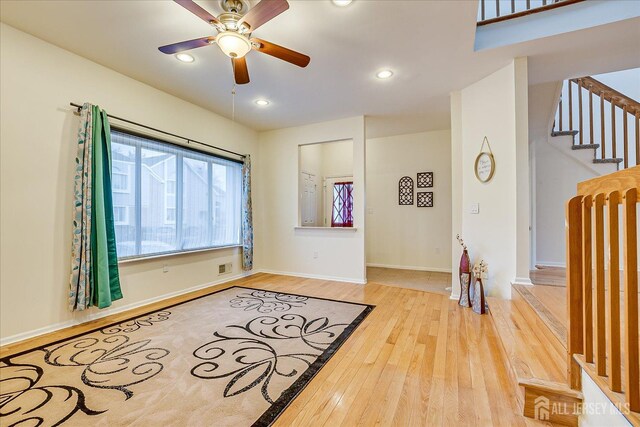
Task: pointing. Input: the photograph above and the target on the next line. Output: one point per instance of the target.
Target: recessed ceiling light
(185, 57)
(342, 3)
(384, 74)
(262, 102)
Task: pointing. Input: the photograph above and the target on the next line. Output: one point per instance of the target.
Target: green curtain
(94, 279)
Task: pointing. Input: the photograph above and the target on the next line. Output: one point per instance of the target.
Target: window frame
(182, 152)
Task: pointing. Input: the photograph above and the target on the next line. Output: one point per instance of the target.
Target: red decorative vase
(464, 274)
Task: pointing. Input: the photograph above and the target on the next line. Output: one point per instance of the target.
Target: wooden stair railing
(612, 143)
(602, 333)
(490, 11)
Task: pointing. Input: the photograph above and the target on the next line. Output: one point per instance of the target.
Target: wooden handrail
(611, 95)
(621, 107)
(595, 318)
(629, 178)
(527, 11)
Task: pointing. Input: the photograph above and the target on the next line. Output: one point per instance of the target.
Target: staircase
(534, 347)
(601, 124)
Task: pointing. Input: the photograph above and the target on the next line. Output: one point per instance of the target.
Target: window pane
(195, 204)
(184, 200)
(226, 193)
(158, 203)
(123, 173)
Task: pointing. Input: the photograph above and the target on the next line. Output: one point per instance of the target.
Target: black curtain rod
(189, 140)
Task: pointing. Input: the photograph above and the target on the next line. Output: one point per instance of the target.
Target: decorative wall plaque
(405, 191)
(425, 179)
(485, 164)
(425, 199)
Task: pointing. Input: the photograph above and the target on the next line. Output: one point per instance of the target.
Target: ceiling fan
(234, 34)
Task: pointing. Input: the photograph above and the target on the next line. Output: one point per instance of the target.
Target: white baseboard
(455, 297)
(87, 316)
(522, 281)
(315, 276)
(410, 267)
(551, 264)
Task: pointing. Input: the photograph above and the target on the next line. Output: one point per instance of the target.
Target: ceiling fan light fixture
(232, 44)
(185, 57)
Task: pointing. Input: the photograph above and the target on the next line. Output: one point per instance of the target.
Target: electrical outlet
(165, 268)
(315, 255)
(475, 208)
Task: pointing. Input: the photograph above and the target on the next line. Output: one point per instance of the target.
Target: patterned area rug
(235, 357)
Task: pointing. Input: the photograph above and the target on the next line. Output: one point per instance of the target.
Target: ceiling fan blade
(170, 49)
(240, 70)
(198, 11)
(283, 53)
(264, 11)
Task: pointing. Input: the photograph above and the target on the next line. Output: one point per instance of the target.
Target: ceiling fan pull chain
(233, 103)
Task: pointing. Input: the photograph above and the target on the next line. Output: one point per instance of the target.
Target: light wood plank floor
(418, 359)
(427, 281)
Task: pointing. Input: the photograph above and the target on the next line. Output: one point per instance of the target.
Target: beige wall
(408, 236)
(324, 252)
(495, 107)
(38, 148)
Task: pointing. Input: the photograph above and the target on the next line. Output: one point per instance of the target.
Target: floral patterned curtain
(247, 216)
(94, 261)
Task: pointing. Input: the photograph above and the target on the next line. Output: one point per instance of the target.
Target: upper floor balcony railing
(491, 11)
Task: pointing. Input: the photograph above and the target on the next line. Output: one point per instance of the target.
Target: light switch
(475, 208)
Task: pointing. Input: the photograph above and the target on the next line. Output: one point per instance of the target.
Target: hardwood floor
(427, 281)
(417, 359)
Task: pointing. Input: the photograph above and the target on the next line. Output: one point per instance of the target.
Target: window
(171, 199)
(121, 215)
(120, 173)
(342, 212)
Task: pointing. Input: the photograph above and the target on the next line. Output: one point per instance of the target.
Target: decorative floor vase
(478, 303)
(464, 273)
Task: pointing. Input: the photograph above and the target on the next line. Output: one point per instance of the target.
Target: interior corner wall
(456, 189)
(38, 149)
(408, 236)
(557, 176)
(494, 107)
(334, 254)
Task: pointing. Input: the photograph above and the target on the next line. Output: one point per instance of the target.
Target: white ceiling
(428, 44)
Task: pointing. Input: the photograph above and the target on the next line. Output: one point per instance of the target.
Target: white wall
(408, 236)
(495, 107)
(598, 409)
(291, 250)
(38, 148)
(556, 179)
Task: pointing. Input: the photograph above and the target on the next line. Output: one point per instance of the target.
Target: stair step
(616, 160)
(554, 395)
(564, 133)
(535, 354)
(585, 146)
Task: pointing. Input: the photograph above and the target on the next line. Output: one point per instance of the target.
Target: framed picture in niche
(425, 199)
(405, 191)
(425, 179)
